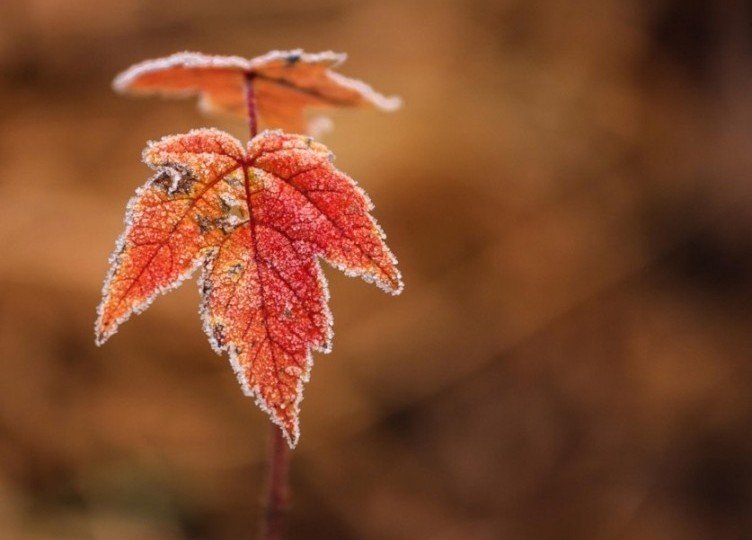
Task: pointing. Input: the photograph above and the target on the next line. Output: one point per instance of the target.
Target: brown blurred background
(569, 191)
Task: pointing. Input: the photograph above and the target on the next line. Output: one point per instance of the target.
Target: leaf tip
(101, 332)
(291, 438)
(397, 287)
(389, 103)
(120, 82)
(287, 415)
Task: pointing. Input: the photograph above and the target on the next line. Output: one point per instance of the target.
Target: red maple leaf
(256, 222)
(286, 82)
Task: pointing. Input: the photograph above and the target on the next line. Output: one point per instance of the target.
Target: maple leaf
(286, 82)
(256, 221)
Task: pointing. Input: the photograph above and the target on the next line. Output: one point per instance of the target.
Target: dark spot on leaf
(219, 334)
(162, 180)
(206, 287)
(204, 224)
(232, 181)
(226, 207)
(175, 179)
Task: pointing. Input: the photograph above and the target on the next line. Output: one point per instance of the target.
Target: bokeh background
(569, 191)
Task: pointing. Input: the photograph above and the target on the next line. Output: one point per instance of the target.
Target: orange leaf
(257, 221)
(286, 82)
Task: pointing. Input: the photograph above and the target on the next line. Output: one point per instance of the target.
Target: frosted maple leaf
(285, 84)
(256, 221)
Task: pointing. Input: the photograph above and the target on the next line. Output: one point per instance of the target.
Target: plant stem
(278, 496)
(250, 100)
(278, 493)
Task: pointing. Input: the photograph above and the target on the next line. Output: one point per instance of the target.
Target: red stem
(278, 496)
(250, 99)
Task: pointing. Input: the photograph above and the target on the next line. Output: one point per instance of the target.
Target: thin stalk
(278, 461)
(250, 99)
(278, 495)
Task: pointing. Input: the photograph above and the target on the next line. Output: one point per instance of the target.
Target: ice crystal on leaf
(255, 221)
(286, 83)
